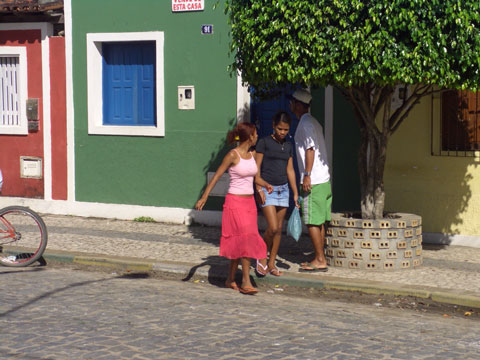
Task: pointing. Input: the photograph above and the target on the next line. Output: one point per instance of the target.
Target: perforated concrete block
(366, 244)
(385, 244)
(401, 224)
(392, 254)
(385, 224)
(388, 265)
(358, 235)
(350, 223)
(341, 254)
(339, 263)
(367, 224)
(392, 234)
(349, 244)
(408, 233)
(358, 255)
(401, 244)
(377, 245)
(352, 264)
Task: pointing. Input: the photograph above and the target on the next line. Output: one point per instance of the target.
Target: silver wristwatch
(306, 173)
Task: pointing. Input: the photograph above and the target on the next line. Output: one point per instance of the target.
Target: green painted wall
(346, 140)
(167, 171)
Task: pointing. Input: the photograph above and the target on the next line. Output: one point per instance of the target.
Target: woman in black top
(274, 159)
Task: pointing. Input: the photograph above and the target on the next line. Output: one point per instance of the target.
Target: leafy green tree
(365, 49)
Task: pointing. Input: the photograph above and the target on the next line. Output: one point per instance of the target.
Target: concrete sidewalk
(449, 274)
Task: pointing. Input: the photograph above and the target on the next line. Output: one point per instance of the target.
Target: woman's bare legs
(275, 216)
(246, 273)
(232, 270)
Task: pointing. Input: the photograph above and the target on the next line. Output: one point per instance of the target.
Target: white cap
(303, 96)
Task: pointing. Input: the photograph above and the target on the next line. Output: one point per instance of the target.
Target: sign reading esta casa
(188, 5)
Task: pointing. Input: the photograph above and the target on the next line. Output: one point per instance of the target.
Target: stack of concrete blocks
(392, 243)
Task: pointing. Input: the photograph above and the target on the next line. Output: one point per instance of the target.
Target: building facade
(123, 109)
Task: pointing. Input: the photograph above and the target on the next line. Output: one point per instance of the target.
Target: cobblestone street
(71, 314)
(452, 267)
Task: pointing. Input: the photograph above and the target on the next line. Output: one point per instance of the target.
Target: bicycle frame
(10, 232)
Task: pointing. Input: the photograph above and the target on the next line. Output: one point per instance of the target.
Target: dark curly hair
(243, 131)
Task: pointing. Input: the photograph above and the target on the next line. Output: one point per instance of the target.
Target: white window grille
(9, 106)
(13, 90)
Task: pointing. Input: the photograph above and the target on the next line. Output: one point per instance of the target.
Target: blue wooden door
(129, 83)
(261, 113)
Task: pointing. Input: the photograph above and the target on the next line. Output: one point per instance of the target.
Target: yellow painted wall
(444, 190)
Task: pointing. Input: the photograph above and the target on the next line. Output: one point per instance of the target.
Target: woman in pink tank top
(240, 239)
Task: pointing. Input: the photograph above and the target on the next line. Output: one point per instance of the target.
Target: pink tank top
(241, 176)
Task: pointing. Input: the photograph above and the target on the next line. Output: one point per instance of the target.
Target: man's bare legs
(317, 235)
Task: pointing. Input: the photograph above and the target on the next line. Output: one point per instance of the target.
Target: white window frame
(21, 53)
(95, 82)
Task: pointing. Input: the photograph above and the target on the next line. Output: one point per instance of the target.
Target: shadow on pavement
(50, 293)
(217, 270)
(289, 251)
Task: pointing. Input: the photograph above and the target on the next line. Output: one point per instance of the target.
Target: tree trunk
(371, 163)
(368, 102)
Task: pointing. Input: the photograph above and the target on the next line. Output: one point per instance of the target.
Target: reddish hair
(243, 131)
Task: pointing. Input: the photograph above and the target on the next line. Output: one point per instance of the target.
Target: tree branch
(361, 105)
(402, 112)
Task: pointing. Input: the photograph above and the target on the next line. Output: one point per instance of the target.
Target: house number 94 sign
(188, 5)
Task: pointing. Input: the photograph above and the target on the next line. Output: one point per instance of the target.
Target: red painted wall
(14, 146)
(59, 118)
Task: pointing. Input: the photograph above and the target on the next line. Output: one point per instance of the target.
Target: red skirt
(240, 237)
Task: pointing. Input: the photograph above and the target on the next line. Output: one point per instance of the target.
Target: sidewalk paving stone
(448, 274)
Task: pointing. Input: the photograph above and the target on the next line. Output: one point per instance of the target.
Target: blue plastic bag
(294, 226)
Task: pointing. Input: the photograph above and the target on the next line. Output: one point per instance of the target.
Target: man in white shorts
(314, 177)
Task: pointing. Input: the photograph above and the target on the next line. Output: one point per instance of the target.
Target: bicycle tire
(23, 236)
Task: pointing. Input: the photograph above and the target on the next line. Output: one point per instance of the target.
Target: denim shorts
(278, 197)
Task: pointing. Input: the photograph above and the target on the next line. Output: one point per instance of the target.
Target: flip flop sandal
(275, 272)
(312, 268)
(260, 269)
(248, 290)
(233, 286)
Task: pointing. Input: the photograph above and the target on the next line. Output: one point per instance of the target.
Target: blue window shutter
(129, 83)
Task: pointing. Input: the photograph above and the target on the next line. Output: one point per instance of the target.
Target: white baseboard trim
(446, 239)
(102, 210)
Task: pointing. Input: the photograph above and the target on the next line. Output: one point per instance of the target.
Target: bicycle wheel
(23, 236)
